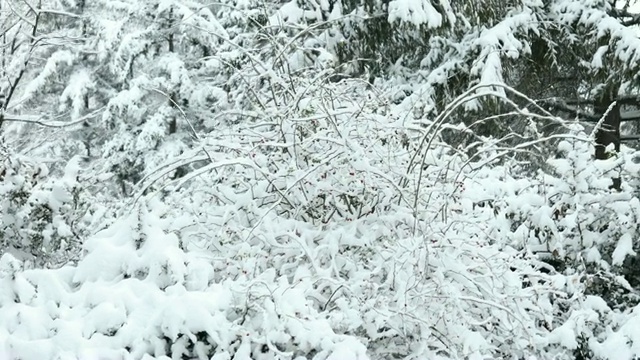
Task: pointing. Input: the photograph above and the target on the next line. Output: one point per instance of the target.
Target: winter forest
(319, 179)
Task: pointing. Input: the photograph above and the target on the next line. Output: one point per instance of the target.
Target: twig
(45, 123)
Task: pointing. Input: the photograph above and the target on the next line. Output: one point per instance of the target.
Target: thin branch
(630, 138)
(15, 83)
(602, 120)
(629, 100)
(51, 124)
(561, 105)
(58, 12)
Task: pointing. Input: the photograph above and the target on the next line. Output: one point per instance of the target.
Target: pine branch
(626, 18)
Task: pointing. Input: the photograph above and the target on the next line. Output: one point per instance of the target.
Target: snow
(348, 349)
(597, 61)
(418, 13)
(623, 249)
(291, 216)
(80, 84)
(565, 336)
(53, 66)
(290, 13)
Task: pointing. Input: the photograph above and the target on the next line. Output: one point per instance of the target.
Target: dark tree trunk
(609, 131)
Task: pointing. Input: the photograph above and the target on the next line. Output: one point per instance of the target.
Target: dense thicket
(318, 179)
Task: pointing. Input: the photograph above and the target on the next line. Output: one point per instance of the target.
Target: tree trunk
(609, 131)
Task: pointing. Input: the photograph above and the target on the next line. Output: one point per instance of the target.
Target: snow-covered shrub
(313, 233)
(317, 199)
(41, 216)
(138, 293)
(585, 234)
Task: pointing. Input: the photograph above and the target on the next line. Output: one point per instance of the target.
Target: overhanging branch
(562, 106)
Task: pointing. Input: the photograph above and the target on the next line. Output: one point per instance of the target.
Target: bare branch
(48, 123)
(58, 12)
(562, 106)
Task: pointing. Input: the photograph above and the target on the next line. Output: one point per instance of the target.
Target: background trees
(327, 180)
